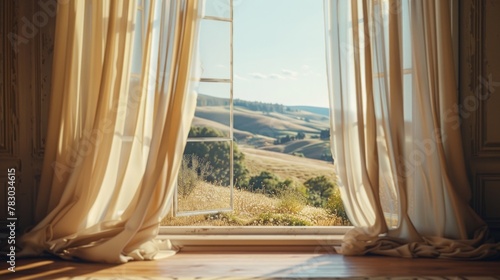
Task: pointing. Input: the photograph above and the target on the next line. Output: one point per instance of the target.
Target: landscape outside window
(283, 172)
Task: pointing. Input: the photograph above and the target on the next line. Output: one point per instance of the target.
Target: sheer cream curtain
(121, 107)
(395, 139)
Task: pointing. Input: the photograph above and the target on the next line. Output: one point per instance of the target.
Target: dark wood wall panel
(488, 189)
(44, 54)
(9, 101)
(490, 134)
(9, 110)
(25, 77)
(480, 103)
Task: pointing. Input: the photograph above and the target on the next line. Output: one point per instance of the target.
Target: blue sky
(279, 54)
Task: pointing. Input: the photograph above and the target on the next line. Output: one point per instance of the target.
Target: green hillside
(267, 124)
(310, 148)
(262, 125)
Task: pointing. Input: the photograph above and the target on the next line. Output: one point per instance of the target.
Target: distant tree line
(204, 100)
(261, 106)
(323, 135)
(211, 101)
(287, 138)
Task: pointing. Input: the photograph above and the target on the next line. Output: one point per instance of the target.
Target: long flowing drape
(121, 107)
(395, 134)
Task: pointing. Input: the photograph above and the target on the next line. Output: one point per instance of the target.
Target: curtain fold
(398, 158)
(121, 107)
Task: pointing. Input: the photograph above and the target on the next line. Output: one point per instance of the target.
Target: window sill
(253, 238)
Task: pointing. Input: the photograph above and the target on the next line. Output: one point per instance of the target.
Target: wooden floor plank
(241, 265)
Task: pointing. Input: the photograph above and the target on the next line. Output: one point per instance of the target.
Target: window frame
(270, 238)
(227, 139)
(207, 236)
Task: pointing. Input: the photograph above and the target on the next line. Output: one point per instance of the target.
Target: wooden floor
(256, 265)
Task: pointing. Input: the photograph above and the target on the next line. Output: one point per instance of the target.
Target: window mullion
(228, 139)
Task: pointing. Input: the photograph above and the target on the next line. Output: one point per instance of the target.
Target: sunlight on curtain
(121, 107)
(400, 162)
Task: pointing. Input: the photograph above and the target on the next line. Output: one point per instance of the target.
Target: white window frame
(230, 138)
(211, 237)
(270, 238)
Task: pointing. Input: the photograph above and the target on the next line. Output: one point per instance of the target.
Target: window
(330, 234)
(248, 158)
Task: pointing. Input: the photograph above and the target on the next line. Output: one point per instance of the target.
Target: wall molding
(486, 202)
(25, 85)
(44, 52)
(9, 109)
(478, 72)
(479, 64)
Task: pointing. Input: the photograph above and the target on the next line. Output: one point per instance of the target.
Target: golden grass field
(252, 209)
(286, 166)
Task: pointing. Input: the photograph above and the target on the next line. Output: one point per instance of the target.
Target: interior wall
(26, 50)
(480, 104)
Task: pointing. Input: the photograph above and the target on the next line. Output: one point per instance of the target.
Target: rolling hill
(259, 125)
(286, 166)
(310, 148)
(267, 124)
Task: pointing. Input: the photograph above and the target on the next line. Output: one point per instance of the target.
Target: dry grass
(250, 209)
(310, 148)
(258, 122)
(286, 166)
(205, 196)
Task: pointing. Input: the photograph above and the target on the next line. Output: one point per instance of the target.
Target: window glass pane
(212, 109)
(204, 179)
(128, 111)
(408, 95)
(215, 50)
(388, 193)
(282, 161)
(145, 8)
(137, 48)
(406, 32)
(217, 8)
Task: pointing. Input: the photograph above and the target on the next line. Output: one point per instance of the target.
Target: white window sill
(253, 238)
